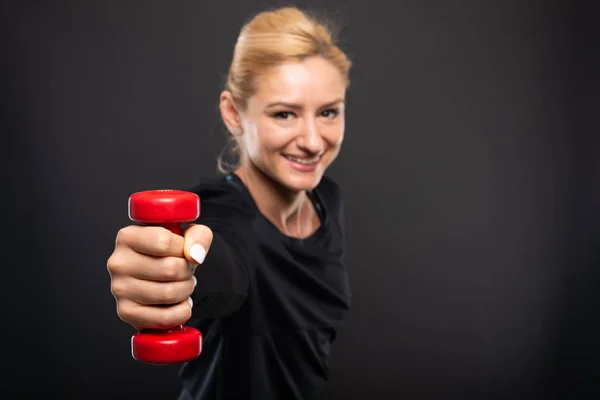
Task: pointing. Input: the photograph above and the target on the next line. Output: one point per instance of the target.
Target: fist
(152, 274)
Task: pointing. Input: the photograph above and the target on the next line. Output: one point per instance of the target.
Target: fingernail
(198, 253)
(195, 280)
(191, 302)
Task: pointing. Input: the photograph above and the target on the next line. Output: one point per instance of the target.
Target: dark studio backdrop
(470, 172)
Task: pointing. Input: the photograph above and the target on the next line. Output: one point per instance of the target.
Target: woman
(267, 287)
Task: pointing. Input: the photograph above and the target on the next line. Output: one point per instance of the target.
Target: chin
(296, 181)
(301, 183)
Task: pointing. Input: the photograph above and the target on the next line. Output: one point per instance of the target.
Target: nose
(311, 140)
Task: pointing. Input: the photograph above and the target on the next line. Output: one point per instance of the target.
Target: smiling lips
(304, 164)
(304, 160)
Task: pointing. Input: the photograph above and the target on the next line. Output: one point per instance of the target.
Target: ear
(229, 113)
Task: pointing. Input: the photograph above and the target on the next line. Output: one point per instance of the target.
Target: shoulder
(330, 192)
(331, 195)
(211, 188)
(221, 199)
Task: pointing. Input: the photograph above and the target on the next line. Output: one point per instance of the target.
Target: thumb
(197, 240)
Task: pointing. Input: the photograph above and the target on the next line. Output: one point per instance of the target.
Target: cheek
(335, 136)
(265, 141)
(334, 139)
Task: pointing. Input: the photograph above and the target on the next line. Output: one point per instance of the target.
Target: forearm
(222, 281)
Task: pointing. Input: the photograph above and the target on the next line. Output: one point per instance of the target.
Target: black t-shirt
(268, 305)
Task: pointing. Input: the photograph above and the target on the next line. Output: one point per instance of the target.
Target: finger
(141, 266)
(153, 293)
(155, 317)
(151, 240)
(197, 241)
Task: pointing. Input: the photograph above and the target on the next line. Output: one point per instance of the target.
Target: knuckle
(114, 263)
(122, 236)
(117, 288)
(168, 294)
(111, 264)
(170, 268)
(167, 318)
(187, 314)
(124, 313)
(162, 241)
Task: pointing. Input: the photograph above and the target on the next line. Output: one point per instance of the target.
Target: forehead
(313, 79)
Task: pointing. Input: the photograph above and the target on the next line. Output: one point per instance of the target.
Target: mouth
(304, 164)
(305, 160)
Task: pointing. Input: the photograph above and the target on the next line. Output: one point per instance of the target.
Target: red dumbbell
(169, 209)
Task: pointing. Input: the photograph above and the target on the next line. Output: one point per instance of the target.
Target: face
(293, 127)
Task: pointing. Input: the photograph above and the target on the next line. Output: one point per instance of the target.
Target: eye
(331, 113)
(282, 115)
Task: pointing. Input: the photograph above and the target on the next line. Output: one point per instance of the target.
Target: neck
(290, 211)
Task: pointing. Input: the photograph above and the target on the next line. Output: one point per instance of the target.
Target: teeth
(305, 161)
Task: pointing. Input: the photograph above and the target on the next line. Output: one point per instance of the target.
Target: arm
(222, 279)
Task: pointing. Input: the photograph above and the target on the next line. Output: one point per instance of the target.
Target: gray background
(470, 173)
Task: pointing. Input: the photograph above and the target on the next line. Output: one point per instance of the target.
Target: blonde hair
(270, 38)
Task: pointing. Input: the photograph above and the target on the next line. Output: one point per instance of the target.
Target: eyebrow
(297, 106)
